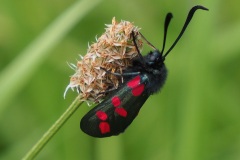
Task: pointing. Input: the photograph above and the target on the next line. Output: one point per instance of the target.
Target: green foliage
(195, 117)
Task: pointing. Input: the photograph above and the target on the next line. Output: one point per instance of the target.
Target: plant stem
(52, 130)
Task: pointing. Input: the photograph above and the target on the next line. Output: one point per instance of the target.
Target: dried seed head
(113, 51)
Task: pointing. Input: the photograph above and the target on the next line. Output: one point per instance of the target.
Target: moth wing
(117, 111)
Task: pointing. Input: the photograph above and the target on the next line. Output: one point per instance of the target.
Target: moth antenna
(168, 18)
(188, 19)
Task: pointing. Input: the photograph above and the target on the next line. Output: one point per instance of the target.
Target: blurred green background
(195, 117)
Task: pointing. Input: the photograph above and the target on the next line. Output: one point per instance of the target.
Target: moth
(145, 77)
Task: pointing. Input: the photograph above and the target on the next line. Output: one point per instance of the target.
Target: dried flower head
(113, 51)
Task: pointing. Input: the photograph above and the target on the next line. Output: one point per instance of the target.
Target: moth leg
(107, 91)
(122, 74)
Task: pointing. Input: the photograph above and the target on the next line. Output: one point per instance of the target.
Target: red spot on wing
(137, 91)
(102, 115)
(121, 111)
(116, 101)
(134, 82)
(104, 127)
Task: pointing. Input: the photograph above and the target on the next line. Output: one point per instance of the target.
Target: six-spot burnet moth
(145, 77)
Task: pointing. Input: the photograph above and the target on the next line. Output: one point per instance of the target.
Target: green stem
(52, 130)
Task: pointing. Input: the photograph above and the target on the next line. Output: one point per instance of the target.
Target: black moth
(145, 77)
